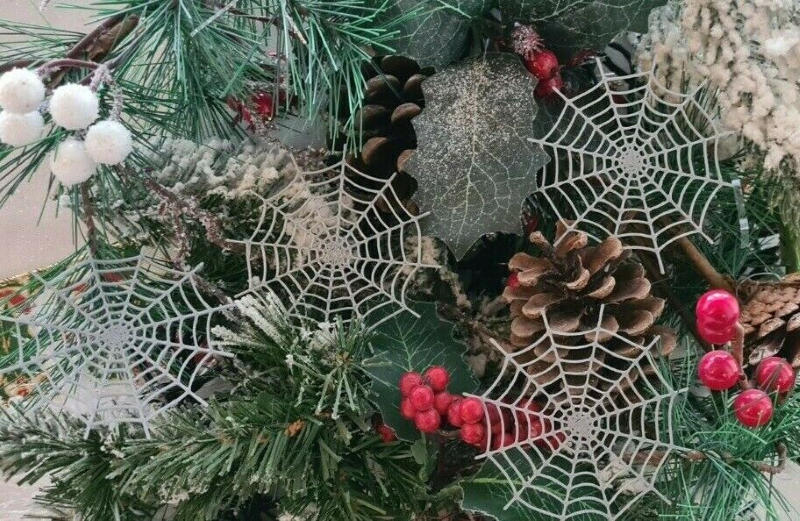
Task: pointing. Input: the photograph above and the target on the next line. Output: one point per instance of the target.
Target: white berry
(70, 163)
(109, 142)
(74, 106)
(21, 91)
(19, 130)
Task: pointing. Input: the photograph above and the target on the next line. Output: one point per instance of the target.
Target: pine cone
(569, 284)
(771, 319)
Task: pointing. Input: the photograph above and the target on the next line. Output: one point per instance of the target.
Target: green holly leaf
(434, 34)
(580, 24)
(405, 343)
(490, 492)
(474, 163)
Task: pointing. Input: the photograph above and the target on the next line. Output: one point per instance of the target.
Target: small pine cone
(771, 319)
(568, 285)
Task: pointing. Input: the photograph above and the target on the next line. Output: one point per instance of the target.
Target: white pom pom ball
(19, 130)
(70, 163)
(109, 142)
(74, 106)
(21, 91)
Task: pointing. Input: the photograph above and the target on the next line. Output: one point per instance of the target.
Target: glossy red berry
(717, 311)
(428, 421)
(548, 87)
(408, 381)
(438, 378)
(471, 410)
(753, 408)
(454, 413)
(513, 280)
(775, 374)
(442, 402)
(504, 439)
(386, 433)
(718, 370)
(264, 105)
(407, 410)
(473, 434)
(542, 64)
(421, 397)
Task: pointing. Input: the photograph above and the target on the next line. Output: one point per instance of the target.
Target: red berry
(386, 433)
(713, 334)
(753, 408)
(718, 370)
(775, 374)
(407, 410)
(548, 87)
(408, 381)
(454, 413)
(503, 440)
(428, 421)
(473, 434)
(542, 64)
(442, 401)
(264, 105)
(535, 430)
(513, 280)
(437, 377)
(471, 410)
(421, 398)
(718, 311)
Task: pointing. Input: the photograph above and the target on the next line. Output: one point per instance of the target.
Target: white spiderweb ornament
(588, 424)
(117, 341)
(336, 243)
(634, 160)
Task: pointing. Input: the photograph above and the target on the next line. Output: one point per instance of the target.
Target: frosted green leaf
(474, 164)
(436, 34)
(570, 25)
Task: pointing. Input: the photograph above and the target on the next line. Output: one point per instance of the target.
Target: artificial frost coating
(74, 106)
(332, 244)
(21, 91)
(70, 163)
(108, 142)
(122, 341)
(473, 163)
(19, 130)
(596, 453)
(633, 160)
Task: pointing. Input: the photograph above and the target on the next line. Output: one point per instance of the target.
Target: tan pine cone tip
(771, 319)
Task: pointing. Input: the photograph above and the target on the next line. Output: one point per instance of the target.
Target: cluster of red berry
(425, 398)
(717, 314)
(544, 65)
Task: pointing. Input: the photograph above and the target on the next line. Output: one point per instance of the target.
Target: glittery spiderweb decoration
(634, 160)
(589, 416)
(336, 243)
(117, 341)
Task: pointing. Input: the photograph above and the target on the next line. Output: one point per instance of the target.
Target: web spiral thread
(336, 243)
(591, 424)
(118, 341)
(635, 160)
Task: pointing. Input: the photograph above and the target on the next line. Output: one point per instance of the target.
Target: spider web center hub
(580, 425)
(335, 251)
(116, 336)
(632, 161)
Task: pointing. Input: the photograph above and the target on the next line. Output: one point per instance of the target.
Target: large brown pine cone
(771, 319)
(569, 284)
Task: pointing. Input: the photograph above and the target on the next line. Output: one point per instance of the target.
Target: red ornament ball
(548, 87)
(386, 433)
(775, 374)
(442, 401)
(428, 421)
(408, 381)
(407, 410)
(753, 408)
(717, 311)
(473, 434)
(421, 397)
(713, 334)
(437, 377)
(542, 64)
(471, 410)
(718, 370)
(454, 413)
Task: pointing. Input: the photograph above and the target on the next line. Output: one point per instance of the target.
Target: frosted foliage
(119, 341)
(332, 244)
(636, 162)
(604, 415)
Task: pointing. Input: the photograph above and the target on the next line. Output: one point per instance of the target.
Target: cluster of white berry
(72, 107)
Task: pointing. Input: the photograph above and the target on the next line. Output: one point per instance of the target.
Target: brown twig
(703, 266)
(696, 456)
